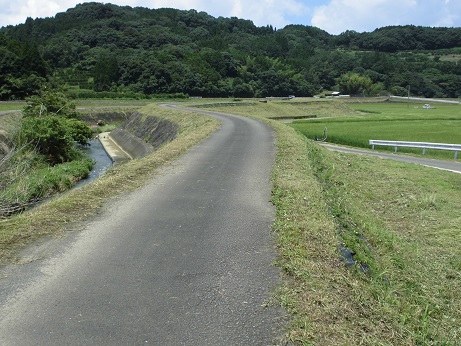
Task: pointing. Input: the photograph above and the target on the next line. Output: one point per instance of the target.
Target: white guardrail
(422, 145)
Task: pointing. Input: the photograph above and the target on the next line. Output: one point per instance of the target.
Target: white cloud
(341, 15)
(261, 12)
(269, 12)
(334, 16)
(16, 12)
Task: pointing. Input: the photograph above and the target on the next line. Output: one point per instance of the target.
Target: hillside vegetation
(399, 223)
(104, 50)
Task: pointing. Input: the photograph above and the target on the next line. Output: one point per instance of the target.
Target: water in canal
(102, 161)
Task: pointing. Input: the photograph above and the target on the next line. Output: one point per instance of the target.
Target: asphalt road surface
(453, 166)
(187, 260)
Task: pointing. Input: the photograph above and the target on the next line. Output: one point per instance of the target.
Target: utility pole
(408, 103)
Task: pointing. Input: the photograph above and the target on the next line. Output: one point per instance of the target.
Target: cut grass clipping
(401, 222)
(60, 214)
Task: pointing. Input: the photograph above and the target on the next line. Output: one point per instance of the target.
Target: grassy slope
(59, 214)
(408, 216)
(403, 222)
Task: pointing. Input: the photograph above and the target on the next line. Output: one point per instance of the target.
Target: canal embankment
(137, 137)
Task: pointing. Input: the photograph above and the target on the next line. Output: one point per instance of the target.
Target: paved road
(453, 166)
(422, 99)
(187, 260)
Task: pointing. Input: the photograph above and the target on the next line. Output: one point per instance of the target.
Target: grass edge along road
(402, 221)
(62, 213)
(402, 226)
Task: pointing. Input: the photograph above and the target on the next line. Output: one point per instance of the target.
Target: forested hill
(143, 52)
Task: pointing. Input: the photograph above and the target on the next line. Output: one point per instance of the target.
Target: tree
(106, 71)
(150, 51)
(32, 61)
(50, 136)
(49, 101)
(78, 131)
(353, 83)
(52, 127)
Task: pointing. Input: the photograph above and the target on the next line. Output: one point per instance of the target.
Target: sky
(333, 16)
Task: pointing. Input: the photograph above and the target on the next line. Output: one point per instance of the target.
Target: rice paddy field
(369, 248)
(441, 123)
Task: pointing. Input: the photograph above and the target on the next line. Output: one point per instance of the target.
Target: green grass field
(389, 121)
(402, 221)
(11, 105)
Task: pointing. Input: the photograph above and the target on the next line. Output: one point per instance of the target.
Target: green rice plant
(401, 220)
(392, 123)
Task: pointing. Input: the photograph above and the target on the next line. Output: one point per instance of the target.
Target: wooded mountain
(142, 52)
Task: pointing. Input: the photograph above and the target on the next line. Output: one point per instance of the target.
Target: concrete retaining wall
(141, 135)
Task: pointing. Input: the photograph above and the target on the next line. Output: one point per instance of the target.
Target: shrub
(52, 126)
(49, 102)
(53, 136)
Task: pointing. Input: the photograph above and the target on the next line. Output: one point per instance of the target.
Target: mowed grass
(11, 105)
(63, 213)
(289, 109)
(390, 121)
(401, 220)
(403, 223)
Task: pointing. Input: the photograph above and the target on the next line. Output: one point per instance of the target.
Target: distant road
(439, 164)
(424, 99)
(9, 112)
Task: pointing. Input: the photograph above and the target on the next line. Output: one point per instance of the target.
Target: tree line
(139, 52)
